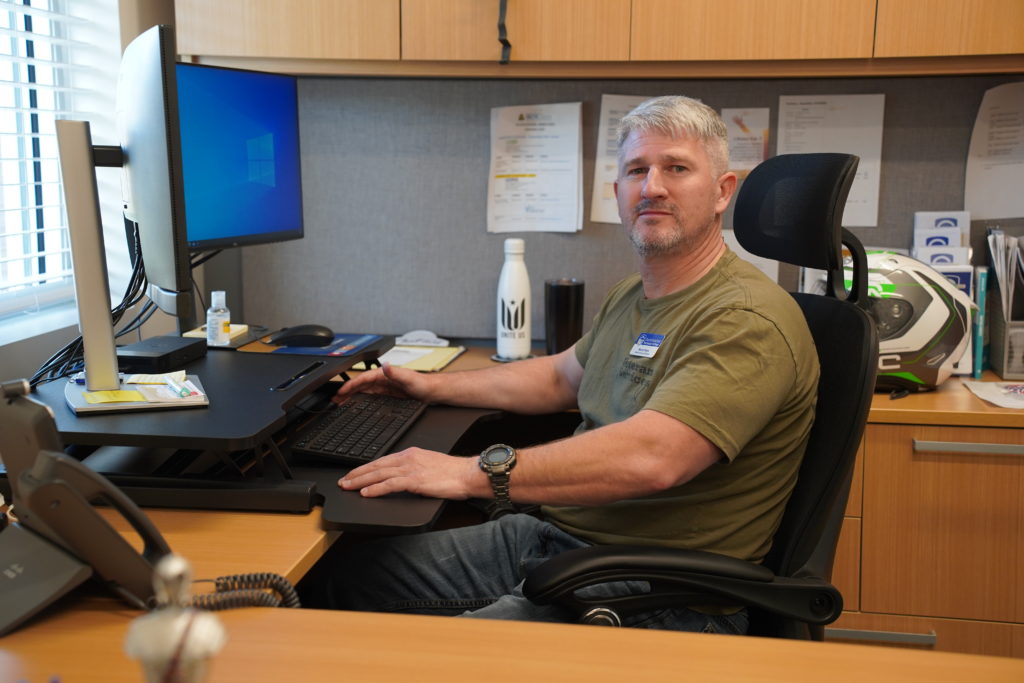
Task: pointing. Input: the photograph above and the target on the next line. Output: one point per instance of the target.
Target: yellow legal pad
(423, 359)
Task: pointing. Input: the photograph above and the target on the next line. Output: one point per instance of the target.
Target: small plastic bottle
(513, 334)
(218, 321)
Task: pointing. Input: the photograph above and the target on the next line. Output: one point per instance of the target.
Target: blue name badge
(647, 344)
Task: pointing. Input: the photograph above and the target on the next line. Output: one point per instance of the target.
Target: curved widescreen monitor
(240, 156)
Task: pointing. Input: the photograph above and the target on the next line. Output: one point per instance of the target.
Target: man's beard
(661, 243)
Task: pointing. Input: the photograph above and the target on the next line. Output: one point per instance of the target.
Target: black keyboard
(359, 430)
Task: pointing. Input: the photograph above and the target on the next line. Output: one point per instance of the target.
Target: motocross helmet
(923, 320)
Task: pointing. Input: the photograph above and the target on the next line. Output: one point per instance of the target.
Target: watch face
(496, 455)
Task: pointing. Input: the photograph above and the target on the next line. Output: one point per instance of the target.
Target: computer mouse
(301, 335)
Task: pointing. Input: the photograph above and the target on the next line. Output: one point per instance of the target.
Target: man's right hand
(389, 380)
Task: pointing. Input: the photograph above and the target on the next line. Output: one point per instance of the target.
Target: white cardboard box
(946, 219)
(938, 237)
(935, 256)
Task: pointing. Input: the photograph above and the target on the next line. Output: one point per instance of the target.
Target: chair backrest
(789, 208)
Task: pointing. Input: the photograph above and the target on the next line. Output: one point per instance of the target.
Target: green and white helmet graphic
(924, 322)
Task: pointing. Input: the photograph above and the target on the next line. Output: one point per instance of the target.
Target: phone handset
(56, 497)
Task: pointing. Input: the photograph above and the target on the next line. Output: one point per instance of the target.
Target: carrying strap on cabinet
(506, 47)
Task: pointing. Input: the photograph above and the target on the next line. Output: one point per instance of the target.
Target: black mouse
(301, 335)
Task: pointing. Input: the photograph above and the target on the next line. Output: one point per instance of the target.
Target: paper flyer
(603, 207)
(748, 138)
(535, 181)
(849, 124)
(995, 159)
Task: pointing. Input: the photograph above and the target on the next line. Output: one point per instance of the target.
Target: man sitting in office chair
(696, 385)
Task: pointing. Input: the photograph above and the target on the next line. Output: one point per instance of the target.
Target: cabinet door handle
(882, 636)
(921, 446)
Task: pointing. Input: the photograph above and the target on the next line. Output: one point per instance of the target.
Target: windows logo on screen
(260, 154)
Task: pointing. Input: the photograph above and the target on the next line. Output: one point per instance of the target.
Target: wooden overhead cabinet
(538, 30)
(607, 38)
(936, 28)
(296, 29)
(679, 30)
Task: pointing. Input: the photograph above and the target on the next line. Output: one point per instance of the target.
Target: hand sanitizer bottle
(513, 335)
(218, 321)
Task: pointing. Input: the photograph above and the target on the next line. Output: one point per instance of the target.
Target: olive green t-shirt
(735, 362)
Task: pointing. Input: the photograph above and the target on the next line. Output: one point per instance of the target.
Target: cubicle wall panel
(395, 193)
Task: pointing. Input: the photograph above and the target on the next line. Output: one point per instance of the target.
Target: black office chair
(789, 209)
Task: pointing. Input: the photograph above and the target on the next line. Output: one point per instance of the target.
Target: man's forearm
(643, 455)
(533, 386)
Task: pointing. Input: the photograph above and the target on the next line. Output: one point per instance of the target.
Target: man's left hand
(427, 473)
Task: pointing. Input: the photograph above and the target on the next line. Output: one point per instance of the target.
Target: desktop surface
(264, 644)
(247, 412)
(244, 409)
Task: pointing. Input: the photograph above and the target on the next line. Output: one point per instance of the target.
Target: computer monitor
(208, 163)
(154, 193)
(239, 135)
(211, 160)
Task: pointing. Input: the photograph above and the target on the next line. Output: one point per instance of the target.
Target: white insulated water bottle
(513, 304)
(218, 321)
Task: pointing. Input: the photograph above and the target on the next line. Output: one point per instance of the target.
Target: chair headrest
(790, 208)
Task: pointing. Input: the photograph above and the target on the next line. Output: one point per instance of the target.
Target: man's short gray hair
(677, 116)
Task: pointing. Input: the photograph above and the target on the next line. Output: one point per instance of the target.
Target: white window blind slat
(58, 59)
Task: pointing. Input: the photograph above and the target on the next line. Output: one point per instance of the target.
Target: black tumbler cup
(563, 313)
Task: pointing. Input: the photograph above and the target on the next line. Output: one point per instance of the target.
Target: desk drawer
(943, 522)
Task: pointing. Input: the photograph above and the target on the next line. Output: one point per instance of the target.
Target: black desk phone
(60, 540)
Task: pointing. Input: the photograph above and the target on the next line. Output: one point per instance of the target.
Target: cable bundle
(69, 359)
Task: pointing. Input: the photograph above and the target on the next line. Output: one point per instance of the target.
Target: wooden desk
(280, 644)
(220, 543)
(951, 404)
(81, 639)
(933, 538)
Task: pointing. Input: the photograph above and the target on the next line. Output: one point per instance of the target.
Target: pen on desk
(298, 375)
(176, 388)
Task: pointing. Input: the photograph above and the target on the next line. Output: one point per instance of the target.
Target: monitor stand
(88, 256)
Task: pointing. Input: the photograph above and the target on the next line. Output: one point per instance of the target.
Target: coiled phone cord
(248, 590)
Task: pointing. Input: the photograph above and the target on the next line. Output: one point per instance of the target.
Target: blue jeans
(478, 572)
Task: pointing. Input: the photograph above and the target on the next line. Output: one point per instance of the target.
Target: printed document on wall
(748, 138)
(849, 124)
(995, 159)
(535, 182)
(603, 207)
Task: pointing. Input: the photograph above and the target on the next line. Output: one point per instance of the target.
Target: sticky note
(117, 396)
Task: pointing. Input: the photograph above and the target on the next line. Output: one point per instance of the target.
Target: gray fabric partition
(395, 180)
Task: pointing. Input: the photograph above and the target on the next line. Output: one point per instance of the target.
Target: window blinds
(58, 59)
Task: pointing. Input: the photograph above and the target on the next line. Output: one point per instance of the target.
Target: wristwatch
(497, 461)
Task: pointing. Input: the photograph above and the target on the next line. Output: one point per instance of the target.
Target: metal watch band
(500, 486)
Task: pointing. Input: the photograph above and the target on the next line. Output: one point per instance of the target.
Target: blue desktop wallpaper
(240, 155)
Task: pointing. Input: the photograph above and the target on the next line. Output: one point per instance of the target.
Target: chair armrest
(678, 578)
